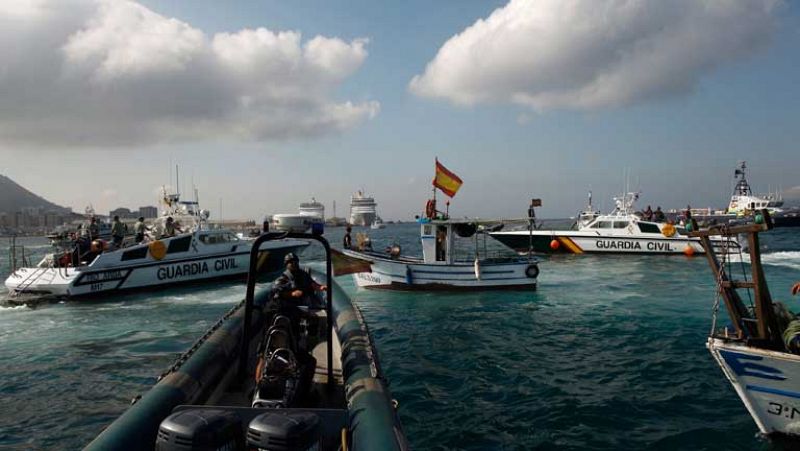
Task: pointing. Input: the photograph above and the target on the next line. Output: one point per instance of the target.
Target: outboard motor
(279, 431)
(200, 430)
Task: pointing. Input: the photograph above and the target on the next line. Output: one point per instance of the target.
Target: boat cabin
(437, 240)
(622, 226)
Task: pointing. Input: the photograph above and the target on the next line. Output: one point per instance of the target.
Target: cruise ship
(362, 210)
(313, 208)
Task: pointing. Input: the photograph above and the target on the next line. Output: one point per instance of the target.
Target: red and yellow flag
(445, 180)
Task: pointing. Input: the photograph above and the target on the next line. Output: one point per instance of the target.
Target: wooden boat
(440, 267)
(758, 352)
(259, 380)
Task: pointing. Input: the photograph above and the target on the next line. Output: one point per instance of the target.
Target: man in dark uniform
(348, 240)
(295, 284)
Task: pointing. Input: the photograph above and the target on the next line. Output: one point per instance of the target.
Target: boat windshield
(217, 238)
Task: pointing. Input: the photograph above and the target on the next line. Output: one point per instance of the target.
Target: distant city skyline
(266, 104)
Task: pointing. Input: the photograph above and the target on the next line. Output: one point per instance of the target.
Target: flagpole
(436, 161)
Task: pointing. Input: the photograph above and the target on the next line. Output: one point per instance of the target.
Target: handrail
(251, 288)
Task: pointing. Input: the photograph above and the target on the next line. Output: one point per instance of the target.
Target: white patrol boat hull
(136, 267)
(591, 242)
(406, 273)
(768, 383)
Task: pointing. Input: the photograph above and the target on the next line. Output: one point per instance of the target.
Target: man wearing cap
(296, 284)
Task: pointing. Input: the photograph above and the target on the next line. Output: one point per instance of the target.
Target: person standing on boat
(441, 244)
(117, 232)
(295, 284)
(648, 214)
(532, 215)
(348, 240)
(658, 216)
(94, 230)
(139, 229)
(170, 228)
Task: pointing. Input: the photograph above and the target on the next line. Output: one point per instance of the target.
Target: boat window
(179, 244)
(133, 254)
(605, 224)
(647, 227)
(620, 224)
(427, 230)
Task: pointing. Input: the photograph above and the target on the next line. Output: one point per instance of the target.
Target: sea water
(608, 353)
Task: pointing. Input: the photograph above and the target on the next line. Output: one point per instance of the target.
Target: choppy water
(607, 354)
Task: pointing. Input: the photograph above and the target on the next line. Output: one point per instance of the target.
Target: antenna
(177, 181)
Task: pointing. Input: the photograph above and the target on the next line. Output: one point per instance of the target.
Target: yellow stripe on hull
(569, 244)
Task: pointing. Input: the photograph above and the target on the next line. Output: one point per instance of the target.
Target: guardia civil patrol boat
(195, 253)
(270, 376)
(759, 350)
(622, 231)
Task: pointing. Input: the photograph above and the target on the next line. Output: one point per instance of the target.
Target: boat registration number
(781, 410)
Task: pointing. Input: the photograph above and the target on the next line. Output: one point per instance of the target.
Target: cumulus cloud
(590, 54)
(113, 72)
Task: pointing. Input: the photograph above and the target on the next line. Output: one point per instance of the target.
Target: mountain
(14, 198)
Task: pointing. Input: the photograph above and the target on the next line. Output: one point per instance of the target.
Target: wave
(790, 259)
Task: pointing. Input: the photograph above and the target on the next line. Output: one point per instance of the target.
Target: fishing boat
(198, 253)
(442, 266)
(622, 231)
(262, 379)
(759, 351)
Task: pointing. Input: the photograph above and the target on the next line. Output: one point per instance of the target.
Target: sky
(266, 104)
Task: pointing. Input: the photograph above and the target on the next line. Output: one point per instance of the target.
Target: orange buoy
(554, 245)
(688, 251)
(157, 249)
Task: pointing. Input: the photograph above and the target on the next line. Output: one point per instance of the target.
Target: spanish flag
(445, 180)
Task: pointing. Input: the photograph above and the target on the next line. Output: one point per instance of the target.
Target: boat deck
(320, 396)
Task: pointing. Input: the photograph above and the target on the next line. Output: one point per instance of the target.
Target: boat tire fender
(532, 271)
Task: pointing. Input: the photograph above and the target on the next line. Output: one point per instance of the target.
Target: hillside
(14, 197)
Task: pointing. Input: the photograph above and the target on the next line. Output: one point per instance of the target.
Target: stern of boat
(41, 280)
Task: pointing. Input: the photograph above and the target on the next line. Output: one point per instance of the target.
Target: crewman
(170, 228)
(658, 216)
(295, 284)
(94, 230)
(117, 232)
(348, 240)
(648, 214)
(139, 229)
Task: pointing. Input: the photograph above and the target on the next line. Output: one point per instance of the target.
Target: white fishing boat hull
(112, 272)
(768, 383)
(410, 274)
